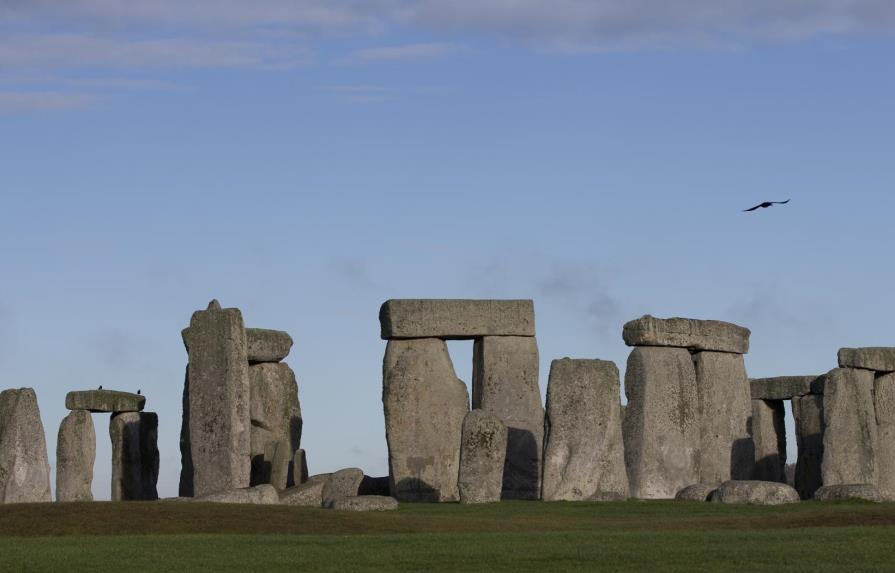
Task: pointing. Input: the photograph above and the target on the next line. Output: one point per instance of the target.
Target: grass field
(511, 536)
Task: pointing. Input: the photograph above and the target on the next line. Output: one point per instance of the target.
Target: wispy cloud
(405, 52)
(44, 101)
(359, 94)
(583, 290)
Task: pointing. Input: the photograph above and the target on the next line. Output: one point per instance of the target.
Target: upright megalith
(584, 454)
(884, 403)
(505, 383)
(482, 456)
(808, 412)
(24, 465)
(424, 404)
(75, 455)
(135, 456)
(661, 427)
(769, 440)
(219, 392)
(456, 319)
(276, 424)
(851, 438)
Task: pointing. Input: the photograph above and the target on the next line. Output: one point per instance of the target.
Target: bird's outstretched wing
(752, 209)
(781, 202)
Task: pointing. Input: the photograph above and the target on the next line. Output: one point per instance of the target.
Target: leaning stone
(862, 492)
(584, 456)
(851, 438)
(366, 503)
(375, 486)
(884, 404)
(263, 345)
(661, 428)
(424, 405)
(75, 454)
(785, 387)
(264, 494)
(343, 483)
(687, 333)
(755, 493)
(880, 359)
(505, 383)
(482, 454)
(24, 464)
(696, 492)
(808, 412)
(308, 494)
(456, 319)
(104, 401)
(769, 440)
(135, 456)
(276, 423)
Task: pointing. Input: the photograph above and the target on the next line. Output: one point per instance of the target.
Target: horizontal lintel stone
(785, 387)
(689, 333)
(104, 401)
(880, 359)
(264, 345)
(455, 319)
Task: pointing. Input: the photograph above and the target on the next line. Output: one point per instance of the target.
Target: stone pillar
(75, 455)
(584, 457)
(661, 428)
(769, 440)
(135, 457)
(884, 402)
(505, 383)
(851, 439)
(424, 404)
(808, 412)
(276, 423)
(24, 464)
(482, 456)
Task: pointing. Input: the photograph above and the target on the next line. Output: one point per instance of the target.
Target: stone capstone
(366, 503)
(75, 455)
(276, 424)
(24, 464)
(696, 492)
(785, 387)
(104, 401)
(849, 492)
(263, 345)
(850, 438)
(456, 319)
(688, 333)
(264, 494)
(880, 359)
(135, 456)
(808, 412)
(755, 493)
(308, 494)
(482, 454)
(769, 440)
(343, 483)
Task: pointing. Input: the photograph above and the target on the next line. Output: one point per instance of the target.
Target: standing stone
(424, 406)
(661, 428)
(482, 455)
(24, 465)
(850, 433)
(505, 383)
(135, 456)
(808, 412)
(219, 432)
(687, 333)
(75, 454)
(276, 423)
(769, 440)
(263, 345)
(884, 402)
(585, 455)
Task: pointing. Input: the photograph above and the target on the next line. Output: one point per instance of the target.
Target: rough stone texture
(308, 494)
(726, 451)
(343, 483)
(585, 454)
(264, 494)
(377, 485)
(276, 424)
(424, 405)
(808, 412)
(301, 464)
(75, 455)
(482, 454)
(505, 383)
(755, 493)
(107, 401)
(219, 423)
(135, 456)
(696, 492)
(785, 387)
(880, 359)
(24, 465)
(687, 333)
(366, 503)
(263, 345)
(456, 319)
(661, 427)
(769, 440)
(884, 403)
(863, 492)
(850, 431)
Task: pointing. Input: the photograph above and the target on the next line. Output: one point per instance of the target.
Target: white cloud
(405, 52)
(30, 101)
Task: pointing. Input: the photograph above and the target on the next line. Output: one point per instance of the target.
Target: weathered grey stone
(366, 503)
(585, 454)
(24, 465)
(276, 423)
(75, 454)
(726, 451)
(378, 485)
(785, 387)
(884, 404)
(696, 492)
(104, 401)
(661, 428)
(849, 492)
(263, 345)
(264, 494)
(505, 383)
(755, 493)
(135, 456)
(808, 412)
(880, 359)
(343, 483)
(769, 440)
(308, 494)
(482, 455)
(850, 431)
(424, 405)
(456, 319)
(301, 467)
(219, 423)
(687, 333)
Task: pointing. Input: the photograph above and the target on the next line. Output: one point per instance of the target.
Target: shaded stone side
(712, 335)
(75, 455)
(769, 439)
(135, 456)
(808, 412)
(584, 454)
(185, 488)
(424, 404)
(850, 432)
(661, 427)
(276, 424)
(482, 454)
(505, 383)
(24, 464)
(456, 319)
(884, 403)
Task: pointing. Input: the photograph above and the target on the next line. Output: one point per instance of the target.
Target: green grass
(511, 536)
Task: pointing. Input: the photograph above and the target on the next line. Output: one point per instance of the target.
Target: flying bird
(766, 204)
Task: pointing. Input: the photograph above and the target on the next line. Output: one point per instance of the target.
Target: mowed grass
(511, 536)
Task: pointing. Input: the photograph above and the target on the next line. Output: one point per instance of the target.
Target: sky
(307, 160)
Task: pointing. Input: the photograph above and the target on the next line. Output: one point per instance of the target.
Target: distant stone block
(851, 437)
(880, 359)
(263, 345)
(135, 456)
(769, 440)
(755, 493)
(456, 319)
(264, 494)
(75, 455)
(696, 492)
(808, 412)
(687, 333)
(107, 401)
(785, 387)
(482, 455)
(366, 503)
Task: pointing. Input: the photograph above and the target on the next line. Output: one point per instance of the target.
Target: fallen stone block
(880, 359)
(849, 492)
(135, 456)
(264, 494)
(697, 492)
(24, 464)
(366, 503)
(75, 455)
(712, 335)
(808, 412)
(343, 483)
(769, 440)
(308, 494)
(851, 437)
(482, 455)
(107, 401)
(456, 319)
(755, 493)
(785, 387)
(263, 345)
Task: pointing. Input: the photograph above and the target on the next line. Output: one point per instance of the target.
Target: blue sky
(305, 161)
